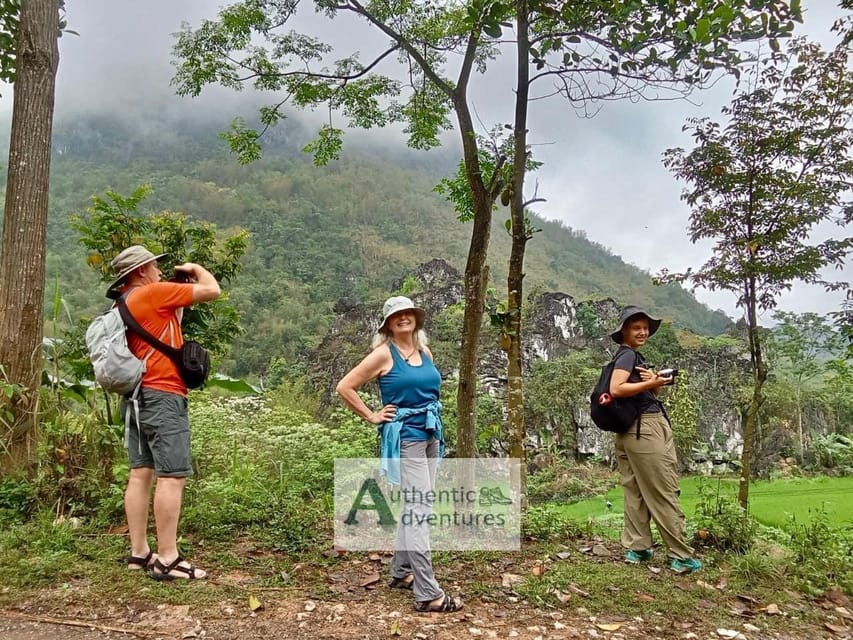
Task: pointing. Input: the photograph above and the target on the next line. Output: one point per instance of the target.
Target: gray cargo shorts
(164, 427)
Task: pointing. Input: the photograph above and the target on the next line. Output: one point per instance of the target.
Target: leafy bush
(823, 556)
(832, 452)
(266, 467)
(77, 456)
(17, 499)
(547, 523)
(566, 482)
(721, 522)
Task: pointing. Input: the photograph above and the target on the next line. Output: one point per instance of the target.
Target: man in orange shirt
(159, 443)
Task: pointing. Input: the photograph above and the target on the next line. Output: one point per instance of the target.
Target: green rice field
(772, 502)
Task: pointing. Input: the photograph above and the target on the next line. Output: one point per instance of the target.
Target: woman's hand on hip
(385, 414)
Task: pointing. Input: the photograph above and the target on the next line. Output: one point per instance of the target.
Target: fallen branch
(77, 623)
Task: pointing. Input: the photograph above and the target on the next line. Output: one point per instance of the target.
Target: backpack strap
(636, 362)
(134, 326)
(170, 351)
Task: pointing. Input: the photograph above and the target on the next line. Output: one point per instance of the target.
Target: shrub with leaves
(721, 522)
(545, 522)
(823, 556)
(265, 466)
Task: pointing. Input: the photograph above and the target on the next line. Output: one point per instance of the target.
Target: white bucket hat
(129, 260)
(396, 304)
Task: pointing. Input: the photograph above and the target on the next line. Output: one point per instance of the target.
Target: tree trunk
(759, 370)
(475, 288)
(515, 276)
(22, 264)
(800, 420)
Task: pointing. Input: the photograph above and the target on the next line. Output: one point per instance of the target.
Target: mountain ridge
(319, 233)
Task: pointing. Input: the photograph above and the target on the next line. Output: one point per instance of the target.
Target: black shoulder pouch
(194, 364)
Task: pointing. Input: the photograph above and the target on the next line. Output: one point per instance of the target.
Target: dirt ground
(378, 614)
(349, 600)
(337, 620)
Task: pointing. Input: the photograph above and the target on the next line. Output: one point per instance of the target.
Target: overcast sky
(602, 175)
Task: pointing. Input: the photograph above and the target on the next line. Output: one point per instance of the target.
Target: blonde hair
(383, 336)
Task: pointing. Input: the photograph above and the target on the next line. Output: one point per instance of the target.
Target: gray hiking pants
(418, 464)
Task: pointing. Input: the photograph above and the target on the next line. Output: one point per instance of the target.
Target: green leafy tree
(113, 223)
(804, 345)
(838, 392)
(557, 394)
(603, 49)
(762, 182)
(22, 261)
(681, 401)
(10, 11)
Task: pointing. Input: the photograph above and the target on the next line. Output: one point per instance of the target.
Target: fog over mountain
(602, 175)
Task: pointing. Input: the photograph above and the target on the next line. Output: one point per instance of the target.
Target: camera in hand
(180, 277)
(669, 373)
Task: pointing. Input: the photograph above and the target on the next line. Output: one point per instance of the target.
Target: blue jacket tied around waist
(389, 432)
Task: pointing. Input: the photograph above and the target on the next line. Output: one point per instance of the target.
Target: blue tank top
(411, 386)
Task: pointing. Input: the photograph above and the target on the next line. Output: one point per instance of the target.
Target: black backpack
(609, 413)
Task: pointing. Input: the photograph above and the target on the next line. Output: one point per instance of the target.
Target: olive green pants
(649, 474)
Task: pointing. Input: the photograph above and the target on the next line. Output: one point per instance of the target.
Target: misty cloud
(601, 175)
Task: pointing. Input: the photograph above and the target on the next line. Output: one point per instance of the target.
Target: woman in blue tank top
(412, 438)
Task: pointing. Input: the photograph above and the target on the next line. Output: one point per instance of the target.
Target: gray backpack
(116, 368)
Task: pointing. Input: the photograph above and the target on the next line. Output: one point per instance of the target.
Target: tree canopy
(761, 183)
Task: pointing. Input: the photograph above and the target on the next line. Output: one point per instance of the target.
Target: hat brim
(420, 314)
(120, 278)
(654, 325)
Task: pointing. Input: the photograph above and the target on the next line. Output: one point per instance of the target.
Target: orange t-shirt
(154, 305)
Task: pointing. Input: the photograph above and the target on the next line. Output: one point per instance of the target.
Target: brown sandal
(160, 571)
(402, 583)
(448, 605)
(135, 563)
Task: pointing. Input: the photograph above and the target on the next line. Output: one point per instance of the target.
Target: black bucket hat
(627, 314)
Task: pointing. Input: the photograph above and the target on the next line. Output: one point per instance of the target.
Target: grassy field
(772, 503)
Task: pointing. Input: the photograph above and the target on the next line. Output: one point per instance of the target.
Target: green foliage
(663, 349)
(823, 556)
(491, 427)
(544, 522)
(557, 397)
(78, 456)
(492, 153)
(9, 18)
(317, 235)
(410, 285)
(17, 500)
(832, 452)
(113, 223)
(757, 566)
(588, 320)
(622, 50)
(264, 467)
(759, 186)
(721, 522)
(564, 481)
(682, 405)
(780, 167)
(8, 392)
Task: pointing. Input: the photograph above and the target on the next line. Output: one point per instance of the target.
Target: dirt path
(382, 615)
(346, 599)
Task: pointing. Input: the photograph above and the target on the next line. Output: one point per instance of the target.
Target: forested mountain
(317, 234)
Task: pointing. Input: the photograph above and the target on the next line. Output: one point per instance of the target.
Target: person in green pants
(645, 453)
